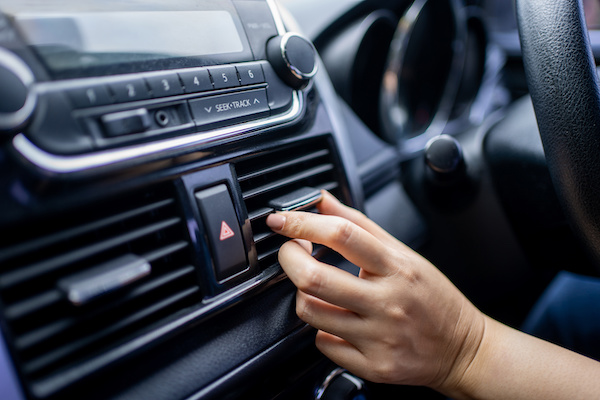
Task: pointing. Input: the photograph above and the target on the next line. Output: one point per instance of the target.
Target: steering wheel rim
(563, 83)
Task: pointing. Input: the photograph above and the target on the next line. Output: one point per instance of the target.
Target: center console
(143, 146)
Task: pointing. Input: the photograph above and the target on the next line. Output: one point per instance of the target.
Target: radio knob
(294, 58)
(17, 101)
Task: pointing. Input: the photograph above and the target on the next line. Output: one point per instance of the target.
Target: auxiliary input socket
(162, 118)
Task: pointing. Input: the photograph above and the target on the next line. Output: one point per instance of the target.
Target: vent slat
(259, 213)
(49, 240)
(263, 236)
(46, 332)
(262, 256)
(56, 340)
(36, 303)
(62, 352)
(26, 341)
(51, 297)
(290, 180)
(330, 186)
(45, 267)
(165, 251)
(291, 163)
(159, 282)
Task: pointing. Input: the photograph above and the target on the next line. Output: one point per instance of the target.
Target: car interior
(143, 145)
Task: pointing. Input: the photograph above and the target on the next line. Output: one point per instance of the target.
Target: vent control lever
(299, 199)
(86, 286)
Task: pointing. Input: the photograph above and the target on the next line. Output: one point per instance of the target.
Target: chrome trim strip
(393, 114)
(69, 164)
(332, 375)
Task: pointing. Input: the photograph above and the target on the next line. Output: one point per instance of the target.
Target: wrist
(462, 379)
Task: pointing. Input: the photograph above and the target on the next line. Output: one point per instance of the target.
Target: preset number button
(130, 90)
(196, 80)
(224, 77)
(164, 85)
(251, 74)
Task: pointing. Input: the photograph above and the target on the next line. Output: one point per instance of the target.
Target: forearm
(513, 365)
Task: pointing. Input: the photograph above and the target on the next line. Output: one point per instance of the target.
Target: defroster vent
(276, 173)
(79, 288)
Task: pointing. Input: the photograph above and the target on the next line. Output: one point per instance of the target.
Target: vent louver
(54, 338)
(275, 173)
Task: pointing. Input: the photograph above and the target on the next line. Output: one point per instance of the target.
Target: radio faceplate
(109, 100)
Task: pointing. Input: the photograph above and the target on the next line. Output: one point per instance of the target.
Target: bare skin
(401, 321)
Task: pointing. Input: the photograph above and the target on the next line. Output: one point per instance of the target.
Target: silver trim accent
(303, 76)
(392, 113)
(17, 66)
(334, 374)
(160, 149)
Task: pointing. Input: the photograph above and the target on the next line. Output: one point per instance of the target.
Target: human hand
(400, 321)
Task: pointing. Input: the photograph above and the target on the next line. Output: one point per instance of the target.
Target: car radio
(96, 84)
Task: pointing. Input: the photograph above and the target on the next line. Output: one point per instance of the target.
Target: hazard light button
(223, 231)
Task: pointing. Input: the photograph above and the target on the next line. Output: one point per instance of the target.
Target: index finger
(329, 205)
(351, 241)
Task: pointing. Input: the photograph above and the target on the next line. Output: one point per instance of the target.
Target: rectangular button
(223, 231)
(224, 76)
(90, 96)
(220, 110)
(130, 90)
(126, 122)
(165, 84)
(250, 74)
(196, 80)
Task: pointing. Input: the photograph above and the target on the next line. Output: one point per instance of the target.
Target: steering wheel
(563, 83)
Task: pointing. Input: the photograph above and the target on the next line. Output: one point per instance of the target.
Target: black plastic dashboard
(135, 258)
(143, 144)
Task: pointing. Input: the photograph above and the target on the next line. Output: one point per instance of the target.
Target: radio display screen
(99, 43)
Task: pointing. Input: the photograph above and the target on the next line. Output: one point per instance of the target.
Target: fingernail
(276, 222)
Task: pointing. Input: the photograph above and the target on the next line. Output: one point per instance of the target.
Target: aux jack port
(162, 118)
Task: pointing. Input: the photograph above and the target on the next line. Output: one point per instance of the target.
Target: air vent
(276, 173)
(92, 281)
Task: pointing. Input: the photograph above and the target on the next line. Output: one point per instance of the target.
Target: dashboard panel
(143, 144)
(415, 71)
(138, 174)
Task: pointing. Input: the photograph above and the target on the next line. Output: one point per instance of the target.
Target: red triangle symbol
(226, 231)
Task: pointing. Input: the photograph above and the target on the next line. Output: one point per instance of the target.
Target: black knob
(17, 101)
(444, 157)
(294, 58)
(342, 385)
